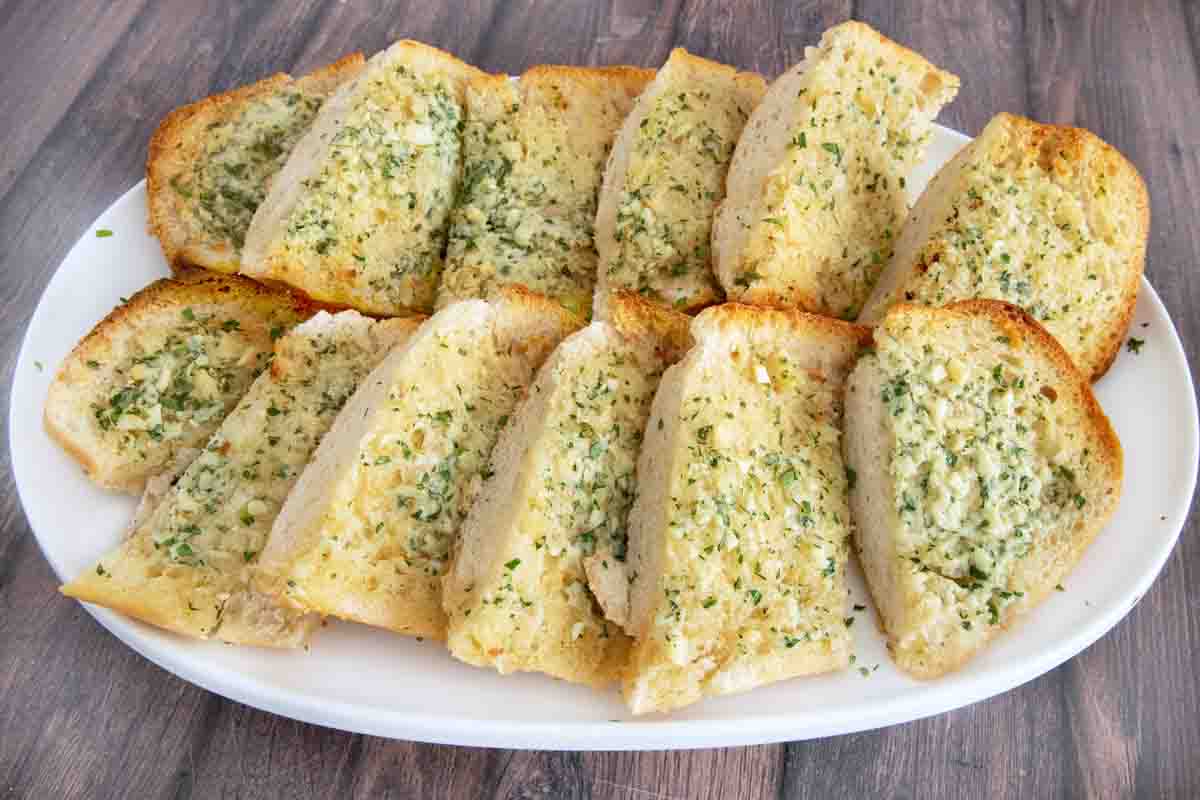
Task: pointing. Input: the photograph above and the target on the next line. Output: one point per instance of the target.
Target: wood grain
(83, 84)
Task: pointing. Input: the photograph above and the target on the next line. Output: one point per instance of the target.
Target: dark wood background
(83, 84)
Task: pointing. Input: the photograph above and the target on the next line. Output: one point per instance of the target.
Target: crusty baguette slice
(358, 214)
(534, 154)
(739, 536)
(816, 193)
(159, 373)
(1044, 216)
(984, 469)
(558, 496)
(369, 531)
(665, 179)
(210, 162)
(187, 567)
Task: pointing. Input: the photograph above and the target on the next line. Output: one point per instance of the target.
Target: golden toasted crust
(632, 79)
(178, 142)
(164, 297)
(732, 316)
(641, 320)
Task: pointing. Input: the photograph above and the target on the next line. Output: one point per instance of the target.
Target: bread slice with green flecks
(816, 190)
(534, 153)
(665, 179)
(739, 536)
(157, 375)
(371, 527)
(211, 162)
(551, 519)
(1047, 217)
(358, 215)
(984, 469)
(187, 566)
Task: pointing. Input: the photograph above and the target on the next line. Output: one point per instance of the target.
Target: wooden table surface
(83, 84)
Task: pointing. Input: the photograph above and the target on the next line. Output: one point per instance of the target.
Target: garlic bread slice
(1047, 217)
(358, 215)
(157, 375)
(187, 566)
(534, 155)
(665, 179)
(816, 190)
(985, 467)
(370, 529)
(554, 510)
(211, 162)
(739, 536)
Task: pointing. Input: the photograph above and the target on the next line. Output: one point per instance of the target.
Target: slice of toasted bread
(159, 373)
(984, 469)
(187, 567)
(369, 531)
(1044, 216)
(534, 154)
(210, 162)
(358, 215)
(558, 496)
(816, 190)
(665, 179)
(738, 538)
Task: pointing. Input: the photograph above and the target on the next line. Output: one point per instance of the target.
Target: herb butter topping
(210, 527)
(755, 544)
(531, 177)
(675, 179)
(175, 380)
(379, 204)
(981, 468)
(574, 505)
(241, 154)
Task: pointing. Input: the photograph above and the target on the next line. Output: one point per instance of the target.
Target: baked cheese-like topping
(675, 179)
(381, 202)
(172, 380)
(756, 527)
(240, 155)
(980, 468)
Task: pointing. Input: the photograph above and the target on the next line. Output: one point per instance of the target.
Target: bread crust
(178, 142)
(1060, 151)
(246, 299)
(1063, 551)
